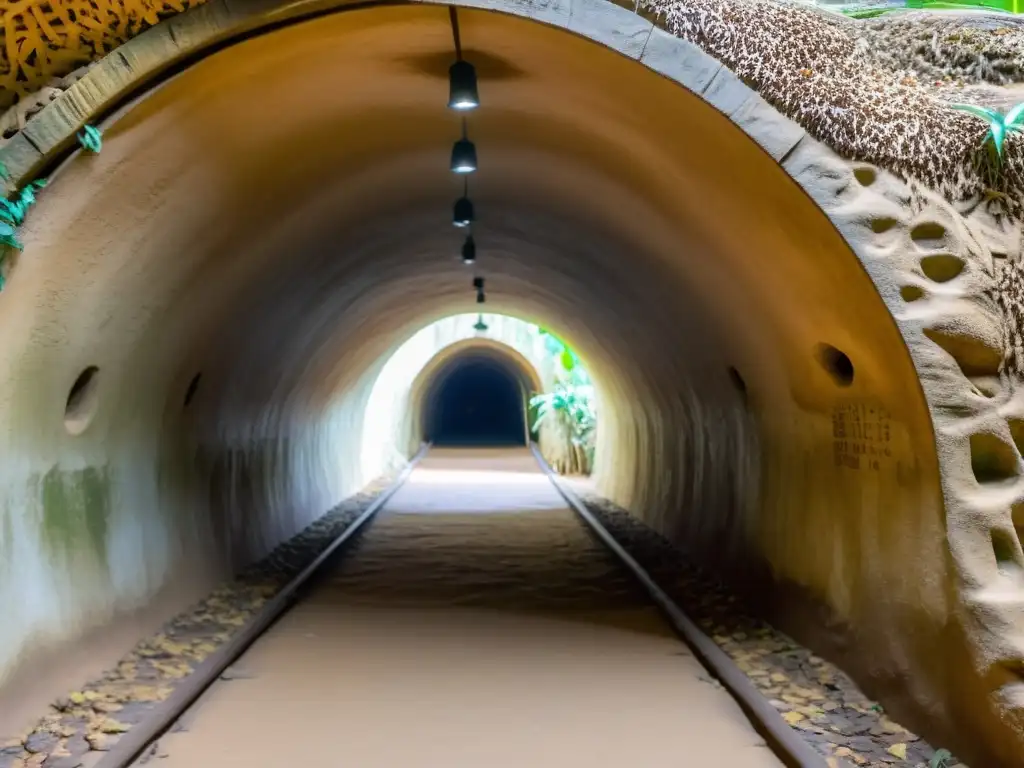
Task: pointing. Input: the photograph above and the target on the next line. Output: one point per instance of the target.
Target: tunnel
(186, 386)
(476, 399)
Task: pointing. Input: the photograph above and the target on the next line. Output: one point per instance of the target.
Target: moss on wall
(75, 510)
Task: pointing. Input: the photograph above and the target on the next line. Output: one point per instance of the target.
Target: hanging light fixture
(462, 215)
(469, 250)
(480, 325)
(463, 156)
(462, 92)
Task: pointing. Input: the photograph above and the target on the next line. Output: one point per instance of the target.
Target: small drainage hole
(82, 401)
(836, 364)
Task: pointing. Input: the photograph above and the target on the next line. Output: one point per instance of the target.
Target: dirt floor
(507, 636)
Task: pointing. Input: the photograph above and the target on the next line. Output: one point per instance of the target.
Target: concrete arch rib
(941, 582)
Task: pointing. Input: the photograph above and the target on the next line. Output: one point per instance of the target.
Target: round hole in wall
(192, 387)
(82, 401)
(738, 382)
(836, 364)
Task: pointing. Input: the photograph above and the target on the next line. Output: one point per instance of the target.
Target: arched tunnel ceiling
(596, 177)
(277, 216)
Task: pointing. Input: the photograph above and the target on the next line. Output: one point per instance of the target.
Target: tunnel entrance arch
(857, 201)
(475, 401)
(475, 394)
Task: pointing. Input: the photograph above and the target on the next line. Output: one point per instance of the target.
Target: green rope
(91, 139)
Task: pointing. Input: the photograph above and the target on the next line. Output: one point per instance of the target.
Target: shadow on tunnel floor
(528, 562)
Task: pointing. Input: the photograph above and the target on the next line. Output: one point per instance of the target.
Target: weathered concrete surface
(267, 218)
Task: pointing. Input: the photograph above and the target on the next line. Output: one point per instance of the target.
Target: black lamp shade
(462, 93)
(469, 251)
(478, 283)
(480, 297)
(463, 156)
(462, 216)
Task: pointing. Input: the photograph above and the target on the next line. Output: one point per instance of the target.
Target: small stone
(40, 742)
(98, 742)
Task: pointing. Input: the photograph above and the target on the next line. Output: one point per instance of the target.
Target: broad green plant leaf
(1015, 117)
(999, 125)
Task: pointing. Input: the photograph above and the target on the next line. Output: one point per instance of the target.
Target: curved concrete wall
(268, 219)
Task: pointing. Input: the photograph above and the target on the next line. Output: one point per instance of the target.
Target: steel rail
(133, 744)
(781, 738)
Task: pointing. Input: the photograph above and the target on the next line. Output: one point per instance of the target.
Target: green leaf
(91, 139)
(568, 359)
(998, 132)
(11, 241)
(939, 758)
(985, 113)
(1015, 117)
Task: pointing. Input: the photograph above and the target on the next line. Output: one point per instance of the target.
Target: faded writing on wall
(861, 436)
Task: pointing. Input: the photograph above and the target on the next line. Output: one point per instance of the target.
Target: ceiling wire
(453, 14)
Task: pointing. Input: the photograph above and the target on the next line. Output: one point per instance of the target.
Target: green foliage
(999, 125)
(573, 405)
(91, 139)
(865, 13)
(570, 408)
(940, 759)
(12, 214)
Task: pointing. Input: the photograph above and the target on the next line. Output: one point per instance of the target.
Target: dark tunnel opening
(475, 400)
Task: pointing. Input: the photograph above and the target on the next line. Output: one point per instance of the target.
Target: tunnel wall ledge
(963, 334)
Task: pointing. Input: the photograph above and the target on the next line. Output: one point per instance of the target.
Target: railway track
(475, 615)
